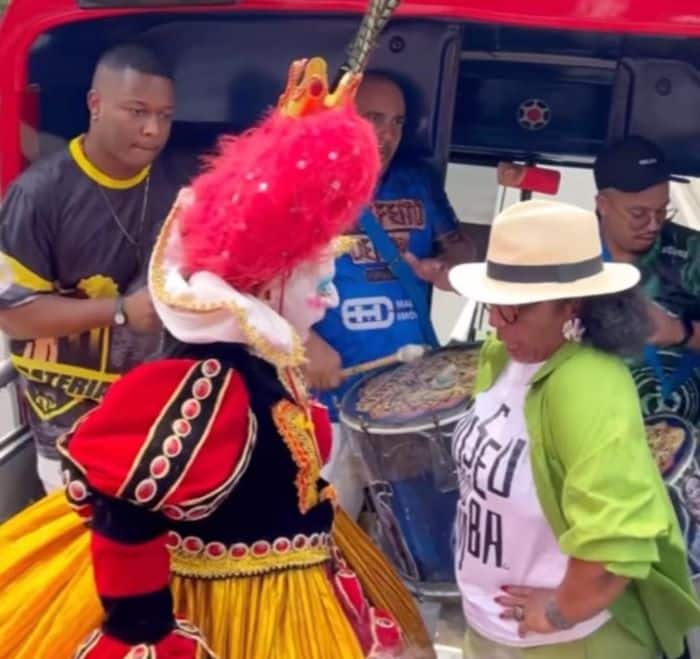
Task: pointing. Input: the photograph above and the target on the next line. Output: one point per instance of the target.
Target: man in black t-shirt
(76, 231)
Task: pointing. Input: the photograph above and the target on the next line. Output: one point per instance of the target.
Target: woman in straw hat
(567, 544)
(211, 530)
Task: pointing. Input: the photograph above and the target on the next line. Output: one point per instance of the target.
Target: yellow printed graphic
(46, 408)
(22, 276)
(99, 286)
(38, 371)
(53, 362)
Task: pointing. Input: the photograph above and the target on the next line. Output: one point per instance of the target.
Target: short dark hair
(136, 57)
(380, 75)
(618, 324)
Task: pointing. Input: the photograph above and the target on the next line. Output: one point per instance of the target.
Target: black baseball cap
(632, 165)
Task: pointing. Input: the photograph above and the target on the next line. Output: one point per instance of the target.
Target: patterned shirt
(671, 277)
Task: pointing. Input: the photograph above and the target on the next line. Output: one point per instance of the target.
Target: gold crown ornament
(307, 91)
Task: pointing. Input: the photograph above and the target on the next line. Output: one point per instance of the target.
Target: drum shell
(682, 479)
(680, 408)
(413, 487)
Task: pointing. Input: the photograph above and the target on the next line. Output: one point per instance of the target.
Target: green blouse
(600, 489)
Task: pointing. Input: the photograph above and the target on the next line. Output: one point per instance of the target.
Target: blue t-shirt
(376, 315)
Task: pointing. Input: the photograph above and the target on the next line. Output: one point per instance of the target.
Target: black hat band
(559, 273)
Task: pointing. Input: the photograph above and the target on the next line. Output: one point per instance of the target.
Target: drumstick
(407, 353)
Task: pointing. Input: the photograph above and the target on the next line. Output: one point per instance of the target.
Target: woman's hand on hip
(527, 607)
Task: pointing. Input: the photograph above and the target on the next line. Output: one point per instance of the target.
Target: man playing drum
(384, 300)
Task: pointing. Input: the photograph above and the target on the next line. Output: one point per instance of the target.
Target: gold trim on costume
(255, 339)
(215, 497)
(197, 448)
(182, 628)
(192, 557)
(301, 96)
(153, 489)
(167, 408)
(294, 383)
(329, 493)
(297, 431)
(75, 147)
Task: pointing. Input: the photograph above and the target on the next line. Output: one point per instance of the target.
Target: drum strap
(389, 252)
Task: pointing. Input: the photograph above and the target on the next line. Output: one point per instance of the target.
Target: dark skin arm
(324, 364)
(455, 247)
(668, 329)
(586, 590)
(54, 315)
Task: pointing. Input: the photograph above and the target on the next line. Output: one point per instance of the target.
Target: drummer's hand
(432, 270)
(667, 328)
(324, 364)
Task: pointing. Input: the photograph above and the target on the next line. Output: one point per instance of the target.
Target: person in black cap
(633, 206)
(632, 177)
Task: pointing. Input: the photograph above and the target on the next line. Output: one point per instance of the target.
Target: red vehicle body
(27, 21)
(548, 81)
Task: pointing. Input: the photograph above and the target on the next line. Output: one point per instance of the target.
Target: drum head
(437, 387)
(674, 444)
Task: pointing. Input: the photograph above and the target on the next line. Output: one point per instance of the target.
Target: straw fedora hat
(542, 250)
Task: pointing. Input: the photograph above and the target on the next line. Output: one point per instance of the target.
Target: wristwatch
(119, 317)
(688, 331)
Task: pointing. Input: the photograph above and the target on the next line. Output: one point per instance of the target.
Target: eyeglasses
(638, 216)
(508, 313)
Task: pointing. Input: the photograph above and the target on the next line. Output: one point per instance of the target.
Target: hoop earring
(573, 330)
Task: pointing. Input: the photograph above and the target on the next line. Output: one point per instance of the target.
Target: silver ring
(519, 613)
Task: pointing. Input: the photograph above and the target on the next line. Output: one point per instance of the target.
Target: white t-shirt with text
(502, 535)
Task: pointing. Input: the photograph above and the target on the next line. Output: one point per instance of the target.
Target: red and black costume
(200, 475)
(200, 472)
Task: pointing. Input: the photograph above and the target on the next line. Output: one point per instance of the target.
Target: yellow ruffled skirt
(48, 601)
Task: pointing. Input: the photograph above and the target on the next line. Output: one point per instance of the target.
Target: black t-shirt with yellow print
(59, 235)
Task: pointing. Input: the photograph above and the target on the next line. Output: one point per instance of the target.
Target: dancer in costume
(211, 530)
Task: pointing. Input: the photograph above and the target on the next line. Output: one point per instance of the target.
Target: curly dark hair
(618, 324)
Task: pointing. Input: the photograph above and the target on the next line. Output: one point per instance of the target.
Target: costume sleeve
(170, 441)
(26, 261)
(613, 498)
